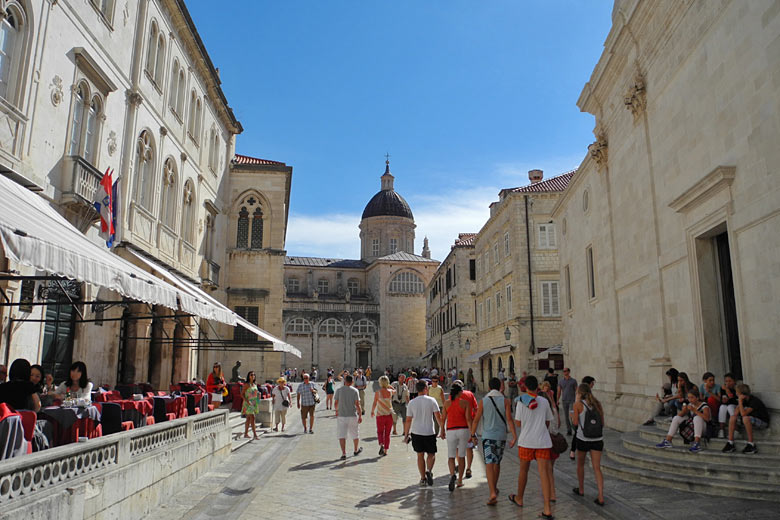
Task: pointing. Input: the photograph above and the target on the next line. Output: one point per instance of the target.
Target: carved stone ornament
(134, 97)
(636, 97)
(598, 151)
(56, 91)
(126, 14)
(163, 131)
(111, 143)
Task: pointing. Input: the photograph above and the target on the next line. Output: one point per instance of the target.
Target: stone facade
(669, 227)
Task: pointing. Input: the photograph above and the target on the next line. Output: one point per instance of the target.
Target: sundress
(251, 404)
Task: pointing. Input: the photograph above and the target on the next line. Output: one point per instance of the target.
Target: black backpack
(593, 425)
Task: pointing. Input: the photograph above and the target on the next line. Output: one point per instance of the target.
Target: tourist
(411, 384)
(513, 389)
(710, 392)
(368, 372)
(420, 415)
(472, 382)
(215, 383)
(493, 411)
(521, 382)
(754, 415)
(684, 386)
(19, 392)
(546, 389)
(251, 405)
(306, 398)
(437, 392)
(552, 378)
(77, 386)
(728, 403)
(553, 428)
(360, 385)
(534, 444)
(314, 374)
(470, 445)
(280, 397)
(590, 381)
(502, 378)
(349, 416)
(698, 411)
(329, 391)
(457, 417)
(567, 394)
(588, 416)
(400, 401)
(666, 405)
(382, 409)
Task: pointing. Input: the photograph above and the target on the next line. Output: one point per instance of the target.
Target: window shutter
(555, 303)
(545, 299)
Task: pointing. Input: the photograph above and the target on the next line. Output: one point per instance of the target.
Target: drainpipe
(530, 281)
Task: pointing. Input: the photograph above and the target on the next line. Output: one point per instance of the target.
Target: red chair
(150, 420)
(238, 398)
(29, 419)
(128, 425)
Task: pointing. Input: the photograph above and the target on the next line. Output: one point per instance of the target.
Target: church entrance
(363, 358)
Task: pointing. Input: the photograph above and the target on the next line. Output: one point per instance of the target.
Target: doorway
(362, 358)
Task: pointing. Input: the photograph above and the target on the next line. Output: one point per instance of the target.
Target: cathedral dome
(387, 202)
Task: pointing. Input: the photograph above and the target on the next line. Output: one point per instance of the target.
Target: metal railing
(86, 179)
(364, 308)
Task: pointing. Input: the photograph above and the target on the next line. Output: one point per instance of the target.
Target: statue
(236, 378)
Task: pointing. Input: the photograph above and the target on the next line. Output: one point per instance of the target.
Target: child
(728, 402)
(753, 414)
(710, 392)
(700, 412)
(251, 404)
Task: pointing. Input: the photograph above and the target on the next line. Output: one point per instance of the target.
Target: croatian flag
(104, 204)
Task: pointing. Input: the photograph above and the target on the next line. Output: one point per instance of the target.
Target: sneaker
(359, 451)
(729, 448)
(695, 447)
(453, 479)
(721, 434)
(664, 444)
(750, 448)
(343, 457)
(429, 478)
(381, 450)
(311, 431)
(423, 482)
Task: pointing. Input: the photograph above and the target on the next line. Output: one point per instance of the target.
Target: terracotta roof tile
(465, 239)
(245, 159)
(557, 183)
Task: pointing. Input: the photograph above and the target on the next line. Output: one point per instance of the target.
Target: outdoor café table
(174, 404)
(65, 419)
(136, 411)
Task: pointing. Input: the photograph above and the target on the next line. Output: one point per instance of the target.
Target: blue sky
(466, 96)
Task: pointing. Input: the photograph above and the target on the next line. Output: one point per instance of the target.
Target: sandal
(546, 516)
(492, 502)
(468, 473)
(577, 492)
(512, 499)
(599, 502)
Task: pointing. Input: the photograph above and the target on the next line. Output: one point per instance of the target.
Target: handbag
(316, 396)
(559, 444)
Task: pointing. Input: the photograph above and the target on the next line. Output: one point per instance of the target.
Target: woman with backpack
(588, 417)
(691, 422)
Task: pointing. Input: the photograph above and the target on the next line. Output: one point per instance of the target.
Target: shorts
(456, 442)
(493, 450)
(757, 423)
(587, 446)
(307, 410)
(279, 416)
(529, 454)
(424, 443)
(347, 426)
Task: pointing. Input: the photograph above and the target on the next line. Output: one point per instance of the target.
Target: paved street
(291, 473)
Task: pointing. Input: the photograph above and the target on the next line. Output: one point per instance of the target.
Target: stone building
(89, 87)
(669, 230)
(517, 288)
(450, 307)
(355, 313)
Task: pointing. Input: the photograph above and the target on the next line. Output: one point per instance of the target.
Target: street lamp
(507, 333)
(468, 345)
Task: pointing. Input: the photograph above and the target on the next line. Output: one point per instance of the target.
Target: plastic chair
(29, 418)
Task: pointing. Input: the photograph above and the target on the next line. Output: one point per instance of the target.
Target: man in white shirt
(360, 384)
(534, 443)
(421, 413)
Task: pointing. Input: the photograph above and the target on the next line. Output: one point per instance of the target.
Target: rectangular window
(547, 236)
(486, 263)
(495, 254)
(293, 285)
(479, 315)
(472, 269)
(550, 302)
(590, 272)
(455, 310)
(322, 286)
(251, 315)
(567, 281)
(487, 312)
(506, 244)
(508, 302)
(498, 306)
(393, 245)
(375, 247)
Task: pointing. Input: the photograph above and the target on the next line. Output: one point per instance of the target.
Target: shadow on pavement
(408, 497)
(356, 462)
(313, 465)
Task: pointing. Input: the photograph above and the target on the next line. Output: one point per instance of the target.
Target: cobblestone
(295, 474)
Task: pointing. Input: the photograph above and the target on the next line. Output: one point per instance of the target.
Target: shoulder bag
(499, 414)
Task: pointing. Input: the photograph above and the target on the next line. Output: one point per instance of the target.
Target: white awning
(198, 302)
(557, 349)
(501, 350)
(476, 357)
(34, 234)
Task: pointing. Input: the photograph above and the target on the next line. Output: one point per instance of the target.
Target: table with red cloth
(102, 397)
(201, 400)
(237, 395)
(176, 405)
(70, 423)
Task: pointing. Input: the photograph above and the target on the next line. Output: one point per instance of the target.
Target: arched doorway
(500, 365)
(490, 369)
(511, 364)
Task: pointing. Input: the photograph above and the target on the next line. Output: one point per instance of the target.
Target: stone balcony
(80, 184)
(209, 273)
(364, 308)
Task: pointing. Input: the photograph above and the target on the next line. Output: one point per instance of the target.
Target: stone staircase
(635, 458)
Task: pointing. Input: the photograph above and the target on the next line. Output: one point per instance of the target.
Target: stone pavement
(290, 473)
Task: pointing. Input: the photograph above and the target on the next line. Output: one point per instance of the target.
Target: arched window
(406, 283)
(168, 210)
(160, 60)
(85, 124)
(173, 94)
(363, 327)
(181, 94)
(191, 120)
(151, 49)
(511, 364)
(144, 170)
(188, 214)
(214, 150)
(94, 116)
(331, 326)
(77, 121)
(12, 32)
(353, 286)
(242, 231)
(198, 110)
(298, 326)
(257, 228)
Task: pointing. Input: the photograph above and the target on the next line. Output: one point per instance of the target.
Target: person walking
(251, 406)
(495, 413)
(420, 415)
(383, 410)
(349, 416)
(360, 385)
(588, 416)
(281, 402)
(470, 445)
(411, 384)
(567, 394)
(400, 401)
(457, 417)
(437, 392)
(307, 401)
(329, 391)
(534, 443)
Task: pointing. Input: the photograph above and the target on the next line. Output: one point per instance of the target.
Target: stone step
(633, 441)
(731, 488)
(662, 423)
(655, 434)
(695, 466)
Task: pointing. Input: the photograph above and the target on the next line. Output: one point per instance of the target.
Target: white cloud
(330, 236)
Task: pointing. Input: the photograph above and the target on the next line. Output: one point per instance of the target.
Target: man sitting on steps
(753, 414)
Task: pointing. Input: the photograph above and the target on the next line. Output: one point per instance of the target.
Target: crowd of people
(709, 410)
(29, 387)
